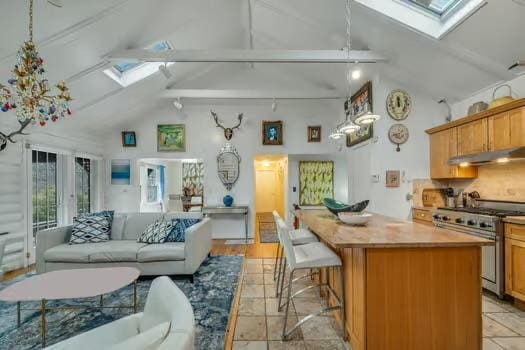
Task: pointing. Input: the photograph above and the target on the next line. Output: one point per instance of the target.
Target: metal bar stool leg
(282, 285)
(281, 262)
(276, 261)
(287, 303)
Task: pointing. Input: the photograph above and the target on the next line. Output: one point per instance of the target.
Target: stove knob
(484, 225)
(459, 221)
(446, 218)
(436, 217)
(471, 223)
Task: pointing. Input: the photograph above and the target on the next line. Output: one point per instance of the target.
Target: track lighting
(57, 3)
(177, 104)
(356, 74)
(274, 105)
(165, 71)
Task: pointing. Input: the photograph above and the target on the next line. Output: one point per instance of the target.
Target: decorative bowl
(337, 207)
(228, 200)
(353, 219)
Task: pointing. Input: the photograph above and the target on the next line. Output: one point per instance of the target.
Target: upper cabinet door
(499, 132)
(472, 137)
(443, 146)
(517, 127)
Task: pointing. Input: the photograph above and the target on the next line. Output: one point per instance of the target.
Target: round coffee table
(70, 284)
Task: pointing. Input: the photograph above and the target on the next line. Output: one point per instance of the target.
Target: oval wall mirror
(228, 162)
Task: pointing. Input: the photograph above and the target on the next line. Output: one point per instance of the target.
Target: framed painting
(120, 172)
(316, 182)
(171, 138)
(393, 178)
(360, 102)
(129, 139)
(272, 133)
(314, 133)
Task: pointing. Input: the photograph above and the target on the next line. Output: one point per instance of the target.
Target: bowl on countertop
(337, 207)
(357, 219)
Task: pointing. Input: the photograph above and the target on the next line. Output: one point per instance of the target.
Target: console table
(233, 210)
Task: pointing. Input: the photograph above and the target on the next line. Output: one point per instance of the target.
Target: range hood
(486, 158)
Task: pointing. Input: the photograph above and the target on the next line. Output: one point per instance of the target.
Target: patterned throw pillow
(90, 229)
(157, 232)
(108, 214)
(178, 233)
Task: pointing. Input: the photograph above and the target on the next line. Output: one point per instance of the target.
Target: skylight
(435, 18)
(437, 7)
(127, 73)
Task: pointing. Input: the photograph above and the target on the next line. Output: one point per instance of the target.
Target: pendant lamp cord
(348, 48)
(31, 20)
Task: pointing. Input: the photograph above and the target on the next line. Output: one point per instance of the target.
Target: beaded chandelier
(29, 92)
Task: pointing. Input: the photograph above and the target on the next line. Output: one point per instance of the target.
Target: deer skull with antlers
(4, 138)
(228, 132)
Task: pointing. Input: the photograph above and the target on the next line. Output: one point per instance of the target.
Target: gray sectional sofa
(53, 251)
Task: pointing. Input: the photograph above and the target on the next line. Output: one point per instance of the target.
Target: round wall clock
(398, 104)
(398, 134)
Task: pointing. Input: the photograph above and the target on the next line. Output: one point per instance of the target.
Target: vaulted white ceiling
(74, 40)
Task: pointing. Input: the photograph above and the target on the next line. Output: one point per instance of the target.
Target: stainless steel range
(484, 220)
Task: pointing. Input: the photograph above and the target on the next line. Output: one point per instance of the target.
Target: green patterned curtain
(316, 181)
(193, 177)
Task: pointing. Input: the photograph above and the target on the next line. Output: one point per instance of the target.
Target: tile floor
(259, 323)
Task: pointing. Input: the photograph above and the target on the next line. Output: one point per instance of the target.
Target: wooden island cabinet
(408, 286)
(515, 258)
(492, 130)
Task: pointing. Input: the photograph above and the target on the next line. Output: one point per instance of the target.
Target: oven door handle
(473, 233)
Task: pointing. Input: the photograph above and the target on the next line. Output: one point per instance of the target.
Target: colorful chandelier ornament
(29, 92)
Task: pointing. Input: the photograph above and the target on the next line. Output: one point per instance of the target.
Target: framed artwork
(314, 133)
(120, 172)
(272, 132)
(316, 181)
(129, 139)
(171, 138)
(361, 102)
(393, 178)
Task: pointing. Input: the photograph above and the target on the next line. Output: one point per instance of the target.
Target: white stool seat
(302, 236)
(313, 255)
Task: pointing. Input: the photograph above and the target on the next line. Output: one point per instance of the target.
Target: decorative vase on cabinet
(228, 200)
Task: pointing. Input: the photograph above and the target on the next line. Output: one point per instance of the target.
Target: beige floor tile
(489, 306)
(275, 328)
(488, 344)
(253, 261)
(492, 328)
(268, 268)
(305, 306)
(269, 290)
(252, 307)
(319, 328)
(250, 328)
(324, 345)
(513, 321)
(253, 268)
(268, 277)
(272, 309)
(286, 345)
(510, 343)
(253, 278)
(252, 291)
(269, 261)
(504, 304)
(250, 345)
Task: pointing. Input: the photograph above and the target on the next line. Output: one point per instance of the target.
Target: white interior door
(265, 190)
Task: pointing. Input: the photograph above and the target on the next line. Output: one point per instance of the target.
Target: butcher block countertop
(520, 220)
(383, 232)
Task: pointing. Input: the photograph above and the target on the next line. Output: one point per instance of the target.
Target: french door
(45, 198)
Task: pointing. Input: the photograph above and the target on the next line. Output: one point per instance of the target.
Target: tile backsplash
(498, 181)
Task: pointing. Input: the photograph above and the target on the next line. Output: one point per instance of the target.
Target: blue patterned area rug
(211, 296)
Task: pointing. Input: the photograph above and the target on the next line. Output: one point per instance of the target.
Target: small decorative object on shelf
(398, 104)
(228, 200)
(398, 135)
(31, 97)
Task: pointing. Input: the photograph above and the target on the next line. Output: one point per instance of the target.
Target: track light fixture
(56, 3)
(165, 71)
(177, 104)
(274, 105)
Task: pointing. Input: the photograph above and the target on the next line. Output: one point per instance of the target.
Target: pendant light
(367, 117)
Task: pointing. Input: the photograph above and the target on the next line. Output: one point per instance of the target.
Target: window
(83, 185)
(44, 176)
(153, 185)
(127, 73)
(437, 7)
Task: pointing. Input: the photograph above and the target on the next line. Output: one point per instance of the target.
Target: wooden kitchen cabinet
(423, 216)
(515, 261)
(443, 146)
(472, 137)
(507, 130)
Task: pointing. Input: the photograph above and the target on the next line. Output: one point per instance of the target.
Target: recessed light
(356, 74)
(464, 164)
(502, 160)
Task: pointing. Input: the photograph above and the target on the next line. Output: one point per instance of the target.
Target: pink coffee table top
(69, 284)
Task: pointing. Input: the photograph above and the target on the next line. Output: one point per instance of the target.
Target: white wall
(204, 140)
(379, 155)
(459, 109)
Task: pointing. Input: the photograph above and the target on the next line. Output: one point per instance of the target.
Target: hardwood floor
(13, 274)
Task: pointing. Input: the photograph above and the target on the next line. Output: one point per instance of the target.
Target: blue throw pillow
(178, 232)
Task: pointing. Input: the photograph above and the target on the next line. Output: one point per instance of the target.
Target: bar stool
(298, 237)
(307, 257)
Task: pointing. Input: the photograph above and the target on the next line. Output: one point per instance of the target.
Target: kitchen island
(408, 285)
